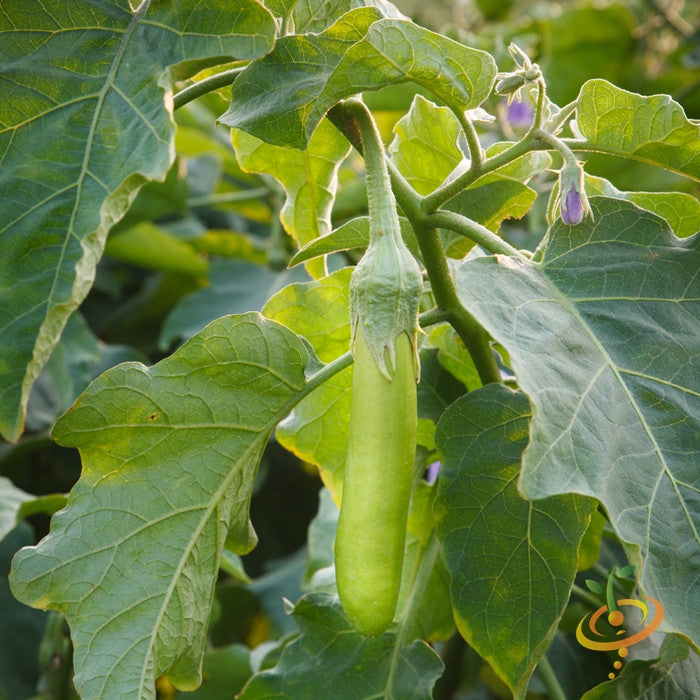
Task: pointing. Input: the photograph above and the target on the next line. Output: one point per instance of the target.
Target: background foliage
(151, 263)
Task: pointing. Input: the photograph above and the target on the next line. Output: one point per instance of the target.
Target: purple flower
(520, 114)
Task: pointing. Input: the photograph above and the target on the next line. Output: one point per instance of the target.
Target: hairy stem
(476, 153)
(539, 108)
(467, 327)
(380, 197)
(556, 144)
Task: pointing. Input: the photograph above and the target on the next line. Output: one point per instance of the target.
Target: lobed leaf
(169, 458)
(512, 562)
(282, 97)
(354, 667)
(651, 129)
(317, 429)
(309, 177)
(601, 328)
(78, 138)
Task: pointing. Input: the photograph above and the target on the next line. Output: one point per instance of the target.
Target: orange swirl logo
(589, 635)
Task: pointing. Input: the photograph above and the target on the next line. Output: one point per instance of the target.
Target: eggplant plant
(409, 264)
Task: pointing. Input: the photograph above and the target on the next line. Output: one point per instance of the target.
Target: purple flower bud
(573, 204)
(571, 207)
(432, 472)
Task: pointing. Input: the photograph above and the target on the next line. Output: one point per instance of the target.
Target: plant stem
(468, 328)
(555, 143)
(433, 317)
(420, 585)
(546, 674)
(323, 375)
(471, 229)
(539, 108)
(476, 153)
(452, 188)
(202, 87)
(380, 197)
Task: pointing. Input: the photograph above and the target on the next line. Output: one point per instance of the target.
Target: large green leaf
(330, 658)
(512, 562)
(169, 458)
(651, 129)
(84, 122)
(602, 333)
(309, 177)
(317, 429)
(425, 146)
(282, 97)
(317, 15)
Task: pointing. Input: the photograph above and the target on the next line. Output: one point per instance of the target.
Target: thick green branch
(476, 153)
(467, 327)
(380, 197)
(555, 143)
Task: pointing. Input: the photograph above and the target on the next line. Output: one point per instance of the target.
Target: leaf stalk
(202, 87)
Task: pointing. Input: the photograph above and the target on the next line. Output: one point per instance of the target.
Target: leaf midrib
(216, 497)
(608, 362)
(84, 169)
